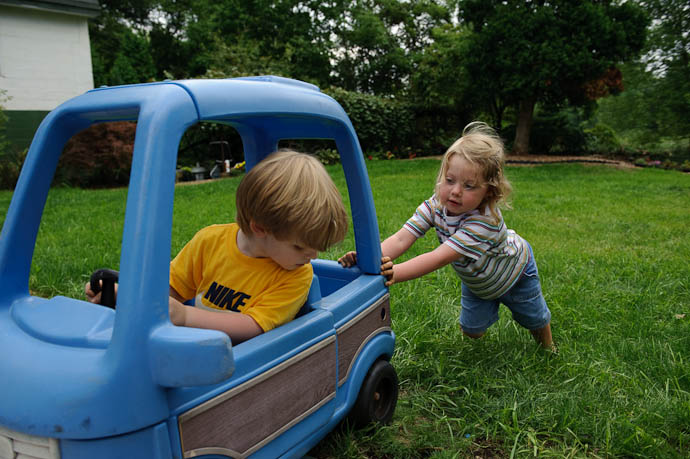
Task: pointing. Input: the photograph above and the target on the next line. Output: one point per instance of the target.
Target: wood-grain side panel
(243, 417)
(353, 335)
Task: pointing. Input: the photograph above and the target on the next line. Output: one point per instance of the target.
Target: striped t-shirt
(493, 256)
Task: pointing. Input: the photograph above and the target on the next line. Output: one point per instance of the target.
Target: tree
(669, 40)
(119, 54)
(524, 53)
(655, 105)
(376, 41)
(288, 36)
(668, 59)
(440, 81)
(365, 45)
(634, 114)
(174, 53)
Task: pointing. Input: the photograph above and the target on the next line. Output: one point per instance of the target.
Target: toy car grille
(15, 445)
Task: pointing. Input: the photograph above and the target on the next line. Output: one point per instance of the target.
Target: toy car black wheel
(377, 397)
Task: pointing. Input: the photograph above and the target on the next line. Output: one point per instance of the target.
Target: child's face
(462, 189)
(290, 253)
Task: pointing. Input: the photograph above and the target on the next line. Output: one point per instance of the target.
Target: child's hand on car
(387, 270)
(348, 260)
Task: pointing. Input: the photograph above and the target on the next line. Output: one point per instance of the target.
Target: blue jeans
(525, 300)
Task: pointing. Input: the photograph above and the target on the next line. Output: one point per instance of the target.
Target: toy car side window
(207, 151)
(327, 152)
(82, 232)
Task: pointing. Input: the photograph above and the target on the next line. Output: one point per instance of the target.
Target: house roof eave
(87, 8)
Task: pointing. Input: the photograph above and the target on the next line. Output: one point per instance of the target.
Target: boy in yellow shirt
(249, 277)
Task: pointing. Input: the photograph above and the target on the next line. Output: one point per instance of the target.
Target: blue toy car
(78, 380)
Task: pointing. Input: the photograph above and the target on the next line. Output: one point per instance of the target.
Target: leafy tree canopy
(119, 54)
(656, 102)
(668, 58)
(376, 41)
(546, 51)
(451, 59)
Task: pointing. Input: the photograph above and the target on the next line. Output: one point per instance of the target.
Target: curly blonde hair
(481, 145)
(291, 195)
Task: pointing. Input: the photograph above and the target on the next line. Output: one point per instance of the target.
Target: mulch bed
(531, 160)
(535, 160)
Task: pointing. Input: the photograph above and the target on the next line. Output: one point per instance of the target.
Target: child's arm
(239, 327)
(397, 244)
(423, 264)
(391, 248)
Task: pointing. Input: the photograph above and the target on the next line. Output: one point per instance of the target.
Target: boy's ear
(257, 230)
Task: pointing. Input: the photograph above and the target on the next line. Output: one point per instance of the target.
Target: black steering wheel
(108, 278)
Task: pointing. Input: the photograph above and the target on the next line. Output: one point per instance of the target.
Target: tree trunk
(524, 126)
(497, 110)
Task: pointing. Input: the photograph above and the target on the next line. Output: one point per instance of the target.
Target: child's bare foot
(552, 348)
(543, 337)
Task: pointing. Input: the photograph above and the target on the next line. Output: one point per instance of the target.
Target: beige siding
(45, 57)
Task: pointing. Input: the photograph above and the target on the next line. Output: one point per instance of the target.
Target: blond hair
(480, 145)
(290, 195)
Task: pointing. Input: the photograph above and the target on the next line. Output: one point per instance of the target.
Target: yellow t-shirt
(211, 269)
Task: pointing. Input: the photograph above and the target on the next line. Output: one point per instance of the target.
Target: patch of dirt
(533, 160)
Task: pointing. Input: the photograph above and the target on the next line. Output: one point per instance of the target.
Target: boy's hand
(95, 297)
(348, 260)
(387, 270)
(90, 296)
(178, 312)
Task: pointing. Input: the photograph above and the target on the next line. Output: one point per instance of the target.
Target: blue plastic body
(115, 384)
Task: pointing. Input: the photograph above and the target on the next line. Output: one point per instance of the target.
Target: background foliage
(10, 159)
(547, 52)
(605, 77)
(381, 123)
(434, 52)
(98, 157)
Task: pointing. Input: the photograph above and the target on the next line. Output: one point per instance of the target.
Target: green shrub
(98, 157)
(380, 123)
(666, 153)
(601, 139)
(184, 174)
(10, 160)
(10, 166)
(641, 162)
(328, 155)
(398, 126)
(676, 149)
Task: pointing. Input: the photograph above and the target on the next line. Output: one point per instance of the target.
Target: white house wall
(45, 58)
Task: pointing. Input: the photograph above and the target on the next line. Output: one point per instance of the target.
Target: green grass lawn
(613, 252)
